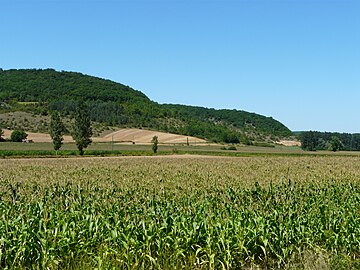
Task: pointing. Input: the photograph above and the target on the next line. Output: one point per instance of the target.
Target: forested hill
(115, 104)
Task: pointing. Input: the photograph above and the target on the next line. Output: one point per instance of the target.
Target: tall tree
(335, 144)
(155, 142)
(82, 128)
(309, 141)
(57, 129)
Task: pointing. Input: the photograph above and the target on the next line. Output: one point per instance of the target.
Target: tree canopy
(82, 128)
(57, 129)
(155, 142)
(18, 136)
(315, 140)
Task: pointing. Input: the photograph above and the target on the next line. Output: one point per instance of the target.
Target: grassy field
(130, 147)
(180, 212)
(11, 149)
(47, 148)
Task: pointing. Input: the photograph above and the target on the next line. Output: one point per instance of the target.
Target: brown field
(289, 143)
(139, 136)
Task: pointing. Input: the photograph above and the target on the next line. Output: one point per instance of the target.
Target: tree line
(315, 140)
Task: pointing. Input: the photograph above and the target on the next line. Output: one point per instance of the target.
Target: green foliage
(335, 144)
(120, 228)
(315, 140)
(231, 148)
(236, 119)
(36, 85)
(155, 142)
(309, 141)
(18, 136)
(57, 129)
(263, 144)
(82, 128)
(183, 213)
(119, 105)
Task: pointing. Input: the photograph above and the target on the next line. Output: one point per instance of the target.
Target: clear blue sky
(297, 61)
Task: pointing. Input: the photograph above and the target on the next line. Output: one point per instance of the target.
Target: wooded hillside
(111, 103)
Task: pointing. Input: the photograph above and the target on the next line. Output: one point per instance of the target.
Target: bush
(18, 136)
(229, 148)
(263, 144)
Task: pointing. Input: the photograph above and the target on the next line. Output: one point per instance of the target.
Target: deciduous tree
(335, 144)
(56, 130)
(155, 142)
(18, 136)
(82, 128)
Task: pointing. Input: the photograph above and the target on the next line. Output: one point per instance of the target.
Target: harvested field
(38, 137)
(142, 136)
(138, 136)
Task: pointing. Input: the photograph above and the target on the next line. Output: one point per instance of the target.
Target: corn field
(180, 213)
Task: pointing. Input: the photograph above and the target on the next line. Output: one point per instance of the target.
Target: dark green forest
(315, 140)
(114, 104)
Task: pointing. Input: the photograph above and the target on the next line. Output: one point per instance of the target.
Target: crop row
(70, 227)
(180, 213)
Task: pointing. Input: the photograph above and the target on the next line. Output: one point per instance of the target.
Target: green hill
(111, 103)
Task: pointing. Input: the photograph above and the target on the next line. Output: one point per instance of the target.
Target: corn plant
(165, 213)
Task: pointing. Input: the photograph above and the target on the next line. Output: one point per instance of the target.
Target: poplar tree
(57, 129)
(82, 128)
(155, 142)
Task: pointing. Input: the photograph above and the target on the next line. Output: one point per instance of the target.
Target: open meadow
(180, 212)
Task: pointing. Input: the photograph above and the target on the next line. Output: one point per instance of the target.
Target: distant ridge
(115, 104)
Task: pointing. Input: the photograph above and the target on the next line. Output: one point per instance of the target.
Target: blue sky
(297, 61)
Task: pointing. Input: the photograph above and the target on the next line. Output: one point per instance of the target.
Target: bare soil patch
(290, 143)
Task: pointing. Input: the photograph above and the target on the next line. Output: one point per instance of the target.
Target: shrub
(18, 136)
(232, 147)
